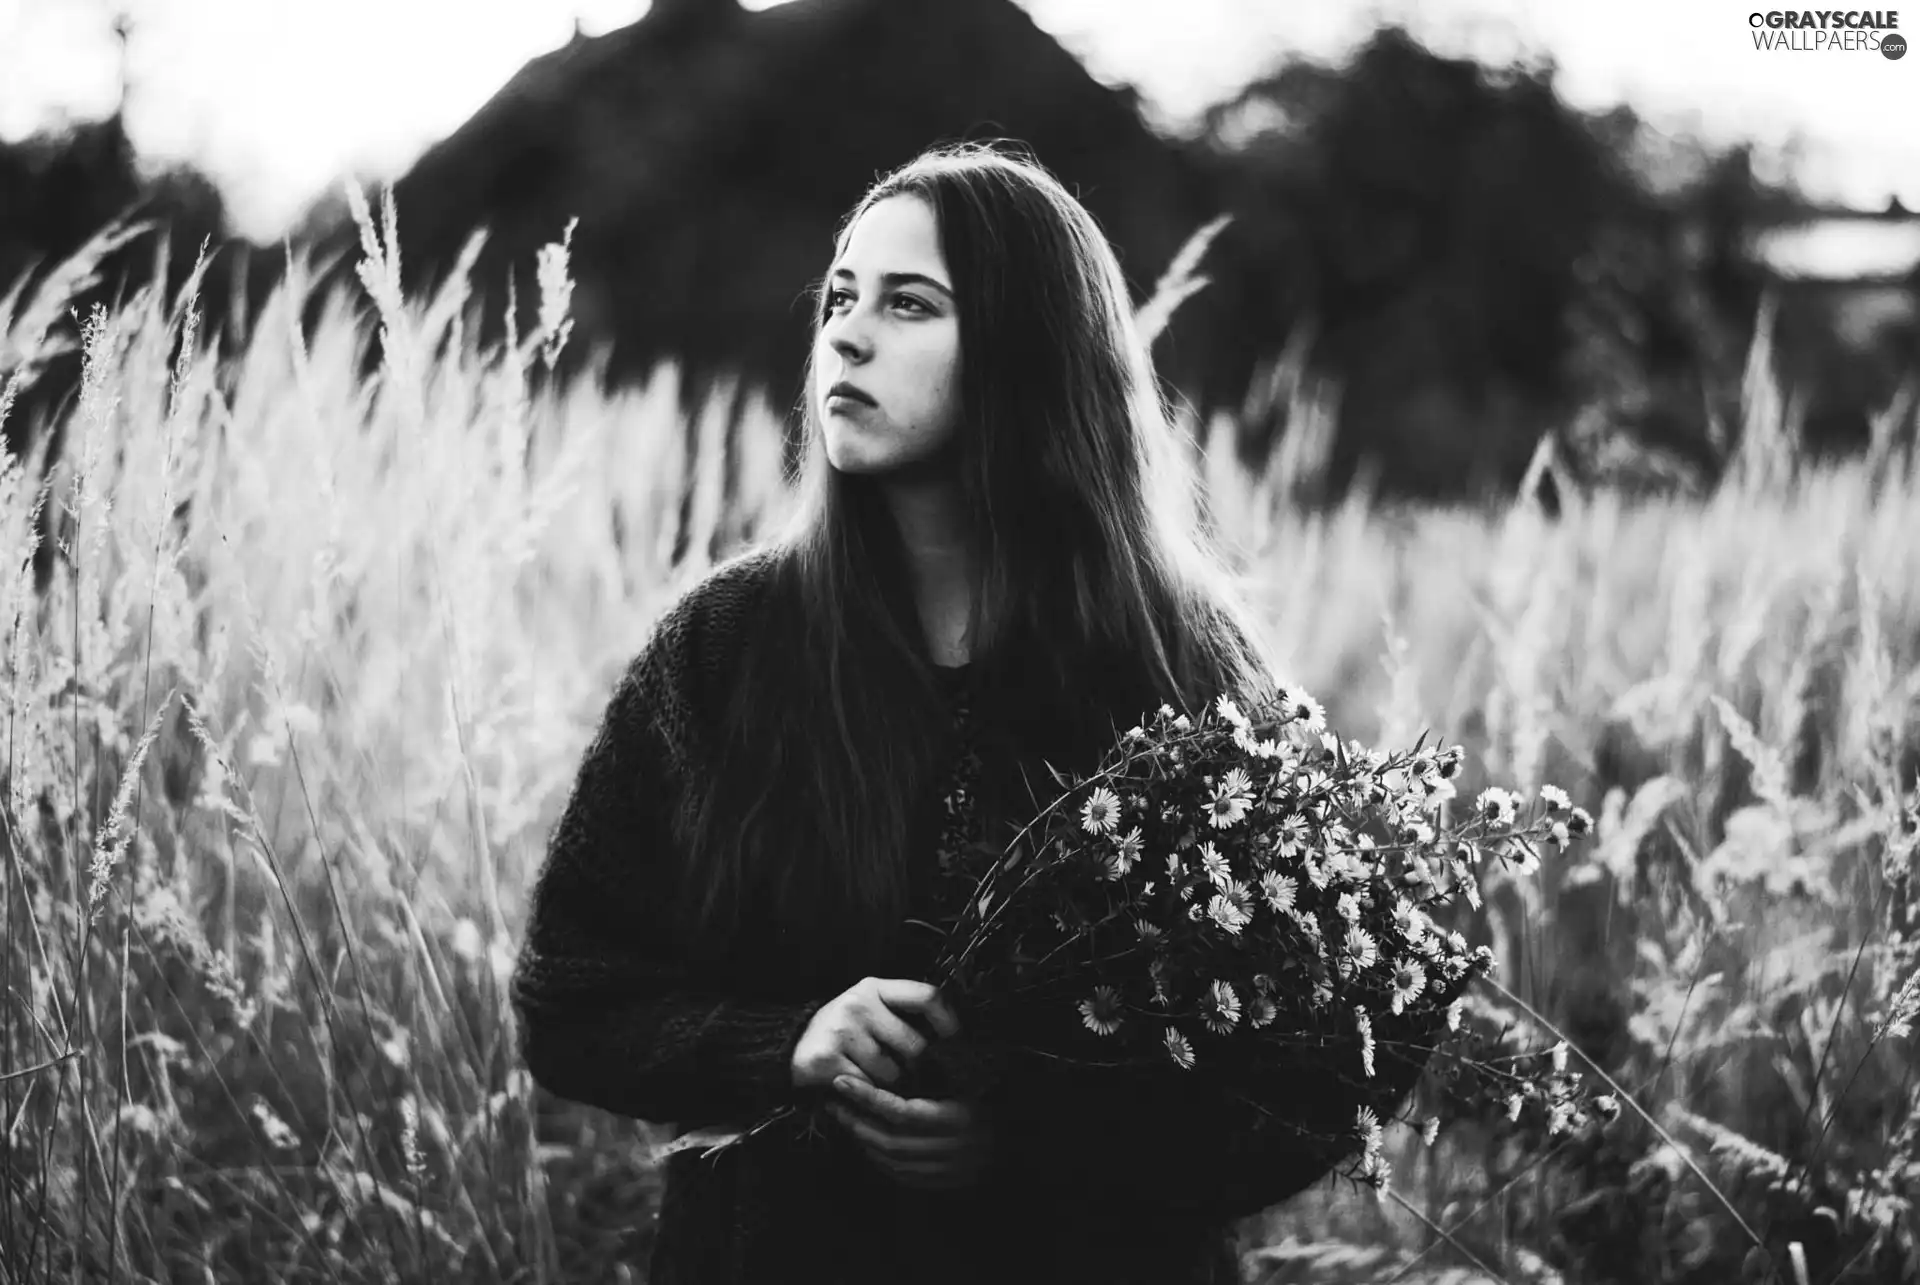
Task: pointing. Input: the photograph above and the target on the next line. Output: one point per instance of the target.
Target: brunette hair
(1099, 594)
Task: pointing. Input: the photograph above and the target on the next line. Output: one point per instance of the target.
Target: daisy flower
(1101, 812)
(1222, 1012)
(1293, 835)
(1579, 823)
(1366, 1127)
(1559, 1118)
(1347, 906)
(1136, 733)
(1361, 951)
(1495, 806)
(1230, 800)
(1317, 873)
(1214, 865)
(1409, 919)
(1232, 909)
(1365, 1026)
(1150, 933)
(1559, 836)
(1279, 890)
(1118, 863)
(1231, 711)
(1261, 1011)
(1555, 798)
(1409, 980)
(1299, 707)
(1179, 1050)
(1183, 723)
(1376, 1172)
(1174, 869)
(1101, 1013)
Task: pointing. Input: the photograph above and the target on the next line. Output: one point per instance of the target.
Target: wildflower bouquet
(1251, 902)
(1247, 905)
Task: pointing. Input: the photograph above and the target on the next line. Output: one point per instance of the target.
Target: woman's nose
(850, 346)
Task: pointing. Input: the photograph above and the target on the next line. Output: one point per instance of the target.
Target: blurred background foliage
(1468, 261)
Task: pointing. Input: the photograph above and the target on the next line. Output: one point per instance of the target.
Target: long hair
(1098, 596)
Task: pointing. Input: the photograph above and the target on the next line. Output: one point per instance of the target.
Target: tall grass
(290, 721)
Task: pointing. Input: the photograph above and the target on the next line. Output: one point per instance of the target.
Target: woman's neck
(939, 562)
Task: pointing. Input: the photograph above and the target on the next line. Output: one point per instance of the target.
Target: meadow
(290, 720)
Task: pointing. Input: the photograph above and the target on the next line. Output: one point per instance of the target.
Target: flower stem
(1629, 1099)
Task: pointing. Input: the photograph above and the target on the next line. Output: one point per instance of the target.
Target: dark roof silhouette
(709, 153)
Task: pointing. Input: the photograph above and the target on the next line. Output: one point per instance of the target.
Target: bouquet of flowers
(1248, 901)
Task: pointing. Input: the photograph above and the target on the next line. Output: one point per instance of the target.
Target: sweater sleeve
(609, 1014)
(1123, 1143)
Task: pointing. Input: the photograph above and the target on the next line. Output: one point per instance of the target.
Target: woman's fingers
(922, 998)
(902, 1041)
(866, 1053)
(927, 1117)
(898, 1147)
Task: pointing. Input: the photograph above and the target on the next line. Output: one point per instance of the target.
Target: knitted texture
(1084, 1185)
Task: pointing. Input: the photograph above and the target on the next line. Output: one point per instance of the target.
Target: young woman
(994, 565)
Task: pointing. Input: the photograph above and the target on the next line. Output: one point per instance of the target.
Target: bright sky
(275, 99)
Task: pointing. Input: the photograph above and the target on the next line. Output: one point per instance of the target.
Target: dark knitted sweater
(1084, 1186)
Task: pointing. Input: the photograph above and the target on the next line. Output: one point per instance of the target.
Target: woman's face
(891, 331)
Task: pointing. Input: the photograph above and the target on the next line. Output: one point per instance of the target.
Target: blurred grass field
(291, 720)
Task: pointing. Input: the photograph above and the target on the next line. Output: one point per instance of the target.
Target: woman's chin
(849, 454)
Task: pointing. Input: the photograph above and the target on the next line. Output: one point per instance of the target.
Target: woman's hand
(863, 1032)
(918, 1142)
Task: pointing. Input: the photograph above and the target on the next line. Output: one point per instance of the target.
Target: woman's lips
(844, 391)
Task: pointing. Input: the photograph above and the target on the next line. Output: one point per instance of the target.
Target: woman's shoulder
(697, 637)
(728, 595)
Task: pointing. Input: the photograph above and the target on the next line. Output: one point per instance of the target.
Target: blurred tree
(1481, 262)
(709, 153)
(56, 193)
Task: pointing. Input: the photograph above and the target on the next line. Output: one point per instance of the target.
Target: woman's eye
(834, 299)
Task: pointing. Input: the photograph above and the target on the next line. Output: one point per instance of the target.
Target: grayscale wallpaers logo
(1829, 31)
